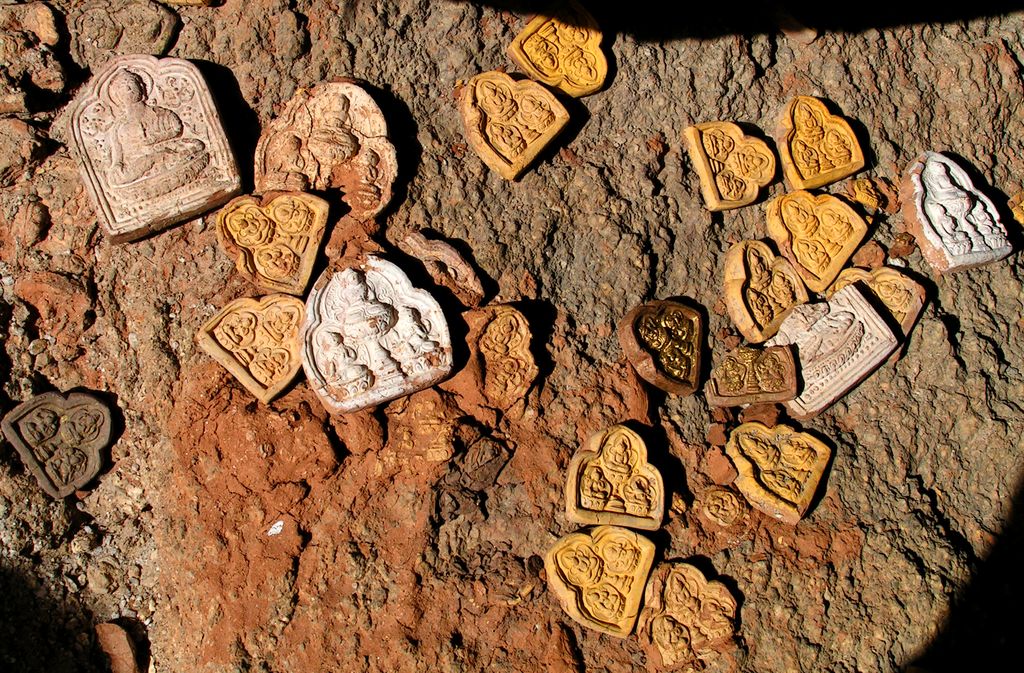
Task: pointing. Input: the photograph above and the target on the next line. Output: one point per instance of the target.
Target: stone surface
(686, 617)
(722, 506)
(779, 468)
(563, 50)
(508, 123)
(118, 646)
(817, 234)
(150, 146)
(664, 340)
(902, 296)
(102, 29)
(257, 340)
(446, 267)
(508, 367)
(955, 224)
(733, 167)
(60, 438)
(817, 147)
(332, 136)
(838, 344)
(599, 577)
(760, 289)
(370, 336)
(274, 240)
(751, 375)
(611, 483)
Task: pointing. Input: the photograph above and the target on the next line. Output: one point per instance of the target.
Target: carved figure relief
(599, 577)
(423, 424)
(779, 468)
(506, 361)
(663, 340)
(838, 344)
(751, 375)
(257, 340)
(903, 296)
(274, 241)
(816, 146)
(150, 145)
(446, 267)
(101, 29)
(732, 167)
(563, 51)
(370, 337)
(611, 482)
(955, 224)
(332, 136)
(818, 234)
(59, 438)
(507, 122)
(686, 617)
(723, 506)
(760, 289)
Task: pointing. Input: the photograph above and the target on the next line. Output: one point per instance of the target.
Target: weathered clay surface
(102, 29)
(30, 70)
(732, 166)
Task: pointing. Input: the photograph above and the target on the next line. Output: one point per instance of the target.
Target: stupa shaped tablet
(817, 147)
(838, 344)
(257, 340)
(507, 122)
(662, 340)
(760, 289)
(370, 337)
(599, 577)
(333, 136)
(955, 224)
(902, 295)
(612, 483)
(732, 166)
(274, 240)
(150, 146)
(563, 50)
(59, 438)
(753, 375)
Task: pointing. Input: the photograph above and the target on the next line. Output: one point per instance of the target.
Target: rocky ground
(388, 561)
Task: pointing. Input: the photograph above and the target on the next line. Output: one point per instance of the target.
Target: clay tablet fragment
(817, 147)
(816, 233)
(753, 375)
(59, 438)
(30, 72)
(955, 224)
(599, 577)
(563, 51)
(612, 483)
(506, 361)
(507, 122)
(685, 616)
(1016, 206)
(102, 29)
(838, 344)
(732, 167)
(257, 340)
(760, 289)
(150, 146)
(722, 506)
(779, 468)
(662, 340)
(446, 267)
(370, 337)
(118, 646)
(903, 296)
(332, 136)
(274, 241)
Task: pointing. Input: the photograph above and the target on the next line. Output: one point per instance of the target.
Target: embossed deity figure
(760, 289)
(371, 337)
(506, 361)
(662, 340)
(150, 145)
(817, 147)
(731, 165)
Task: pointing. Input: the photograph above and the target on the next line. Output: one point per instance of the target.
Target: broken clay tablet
(274, 240)
(446, 267)
(760, 289)
(612, 483)
(563, 51)
(599, 577)
(150, 146)
(753, 375)
(902, 295)
(662, 340)
(817, 147)
(59, 438)
(507, 122)
(955, 224)
(508, 367)
(257, 340)
(732, 167)
(370, 337)
(779, 468)
(105, 28)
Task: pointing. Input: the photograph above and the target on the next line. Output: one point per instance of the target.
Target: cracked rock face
(236, 537)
